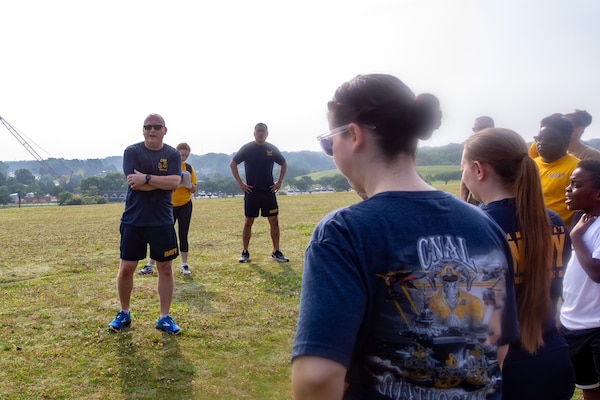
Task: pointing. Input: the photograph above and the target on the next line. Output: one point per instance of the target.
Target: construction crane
(30, 149)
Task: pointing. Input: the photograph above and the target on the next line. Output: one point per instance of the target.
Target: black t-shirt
(258, 164)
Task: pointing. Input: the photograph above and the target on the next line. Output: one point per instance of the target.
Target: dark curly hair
(593, 167)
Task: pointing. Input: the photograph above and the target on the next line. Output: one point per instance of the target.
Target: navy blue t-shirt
(412, 292)
(505, 214)
(152, 208)
(258, 164)
(547, 374)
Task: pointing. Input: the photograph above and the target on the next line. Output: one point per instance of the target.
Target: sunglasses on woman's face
(327, 143)
(325, 139)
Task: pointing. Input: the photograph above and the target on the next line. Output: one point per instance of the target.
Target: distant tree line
(87, 181)
(207, 165)
(92, 190)
(444, 176)
(445, 155)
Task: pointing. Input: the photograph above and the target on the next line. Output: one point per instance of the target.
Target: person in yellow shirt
(580, 119)
(182, 210)
(554, 163)
(533, 151)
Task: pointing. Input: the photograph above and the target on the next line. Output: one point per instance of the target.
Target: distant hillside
(299, 163)
(444, 155)
(217, 164)
(451, 153)
(206, 165)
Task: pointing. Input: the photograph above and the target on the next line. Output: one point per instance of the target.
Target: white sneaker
(147, 270)
(185, 270)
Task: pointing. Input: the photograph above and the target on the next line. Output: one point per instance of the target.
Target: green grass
(57, 280)
(426, 170)
(323, 174)
(57, 286)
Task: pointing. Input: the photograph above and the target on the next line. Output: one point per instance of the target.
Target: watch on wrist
(148, 177)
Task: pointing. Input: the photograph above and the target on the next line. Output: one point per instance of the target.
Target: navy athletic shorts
(584, 347)
(264, 201)
(135, 241)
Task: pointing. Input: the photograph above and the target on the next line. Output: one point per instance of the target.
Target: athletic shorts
(584, 347)
(264, 201)
(135, 241)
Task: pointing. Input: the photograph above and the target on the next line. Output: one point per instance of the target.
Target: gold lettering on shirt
(163, 165)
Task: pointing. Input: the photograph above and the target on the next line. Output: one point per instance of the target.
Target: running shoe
(147, 270)
(122, 320)
(185, 269)
(168, 325)
(245, 257)
(278, 256)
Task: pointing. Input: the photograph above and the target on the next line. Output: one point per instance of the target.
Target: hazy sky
(79, 77)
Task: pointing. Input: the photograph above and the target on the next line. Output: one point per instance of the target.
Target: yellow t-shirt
(183, 195)
(588, 153)
(533, 152)
(555, 178)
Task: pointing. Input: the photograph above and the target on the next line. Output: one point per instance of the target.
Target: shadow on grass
(287, 282)
(195, 294)
(169, 375)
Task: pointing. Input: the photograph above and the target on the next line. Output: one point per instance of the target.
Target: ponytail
(506, 152)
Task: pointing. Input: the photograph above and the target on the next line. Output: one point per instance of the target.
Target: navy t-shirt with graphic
(150, 208)
(413, 292)
(258, 164)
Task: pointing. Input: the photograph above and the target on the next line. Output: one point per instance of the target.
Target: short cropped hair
(261, 125)
(560, 124)
(580, 118)
(485, 120)
(593, 167)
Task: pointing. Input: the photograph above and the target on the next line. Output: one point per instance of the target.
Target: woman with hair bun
(500, 174)
(366, 329)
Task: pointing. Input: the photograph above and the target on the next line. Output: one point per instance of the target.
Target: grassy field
(425, 170)
(57, 286)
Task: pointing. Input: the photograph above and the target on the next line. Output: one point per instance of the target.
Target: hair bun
(428, 115)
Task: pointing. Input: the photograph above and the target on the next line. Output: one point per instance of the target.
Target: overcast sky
(79, 77)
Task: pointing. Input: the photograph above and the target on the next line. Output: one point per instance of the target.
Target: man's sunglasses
(156, 127)
(325, 139)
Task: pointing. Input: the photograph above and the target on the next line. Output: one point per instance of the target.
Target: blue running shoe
(168, 325)
(122, 320)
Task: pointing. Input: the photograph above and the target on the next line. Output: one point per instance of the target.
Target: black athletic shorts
(584, 347)
(135, 241)
(264, 201)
